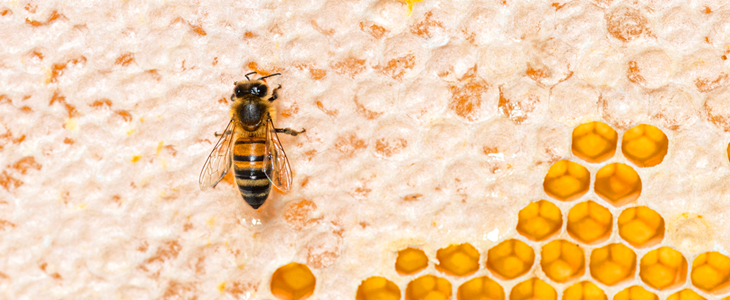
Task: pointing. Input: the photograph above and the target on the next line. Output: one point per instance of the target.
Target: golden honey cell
(686, 294)
(377, 288)
(635, 293)
(539, 220)
(641, 226)
(612, 263)
(458, 260)
(293, 281)
(480, 288)
(428, 287)
(533, 289)
(566, 180)
(589, 222)
(584, 290)
(645, 145)
(510, 259)
(618, 184)
(663, 268)
(594, 142)
(410, 261)
(711, 272)
(562, 260)
(728, 151)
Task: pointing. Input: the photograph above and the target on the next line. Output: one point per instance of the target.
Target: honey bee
(258, 159)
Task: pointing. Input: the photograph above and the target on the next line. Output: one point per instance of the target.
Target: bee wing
(276, 165)
(219, 161)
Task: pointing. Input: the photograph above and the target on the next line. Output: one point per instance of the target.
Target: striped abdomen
(248, 165)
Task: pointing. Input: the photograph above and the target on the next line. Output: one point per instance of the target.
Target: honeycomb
(584, 290)
(562, 260)
(510, 259)
(462, 149)
(594, 142)
(533, 288)
(663, 268)
(566, 180)
(539, 220)
(378, 288)
(293, 281)
(428, 287)
(411, 261)
(458, 260)
(480, 288)
(589, 222)
(635, 293)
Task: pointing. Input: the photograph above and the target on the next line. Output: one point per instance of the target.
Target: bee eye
(262, 91)
(239, 92)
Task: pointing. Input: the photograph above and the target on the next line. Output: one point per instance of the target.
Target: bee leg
(274, 94)
(220, 134)
(289, 131)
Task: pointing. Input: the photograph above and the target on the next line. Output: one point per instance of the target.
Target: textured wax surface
(424, 129)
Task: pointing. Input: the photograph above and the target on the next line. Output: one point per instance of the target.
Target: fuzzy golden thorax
(252, 106)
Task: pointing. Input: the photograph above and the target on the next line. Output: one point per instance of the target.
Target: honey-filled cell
(458, 260)
(612, 264)
(635, 293)
(480, 288)
(533, 289)
(566, 180)
(562, 260)
(618, 184)
(428, 287)
(589, 222)
(686, 294)
(594, 142)
(663, 268)
(377, 288)
(293, 281)
(584, 290)
(539, 220)
(711, 272)
(410, 261)
(510, 259)
(641, 226)
(645, 145)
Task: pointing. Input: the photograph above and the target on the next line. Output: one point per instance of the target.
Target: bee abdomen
(248, 163)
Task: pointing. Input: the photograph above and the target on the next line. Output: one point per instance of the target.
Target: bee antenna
(275, 74)
(254, 72)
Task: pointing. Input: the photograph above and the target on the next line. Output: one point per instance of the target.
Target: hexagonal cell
(510, 259)
(428, 287)
(539, 220)
(645, 145)
(635, 293)
(377, 288)
(293, 281)
(686, 294)
(480, 288)
(641, 226)
(410, 261)
(663, 268)
(594, 142)
(566, 180)
(533, 288)
(711, 272)
(618, 184)
(612, 263)
(562, 260)
(584, 290)
(589, 222)
(458, 260)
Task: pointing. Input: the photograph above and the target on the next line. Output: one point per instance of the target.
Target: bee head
(255, 88)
